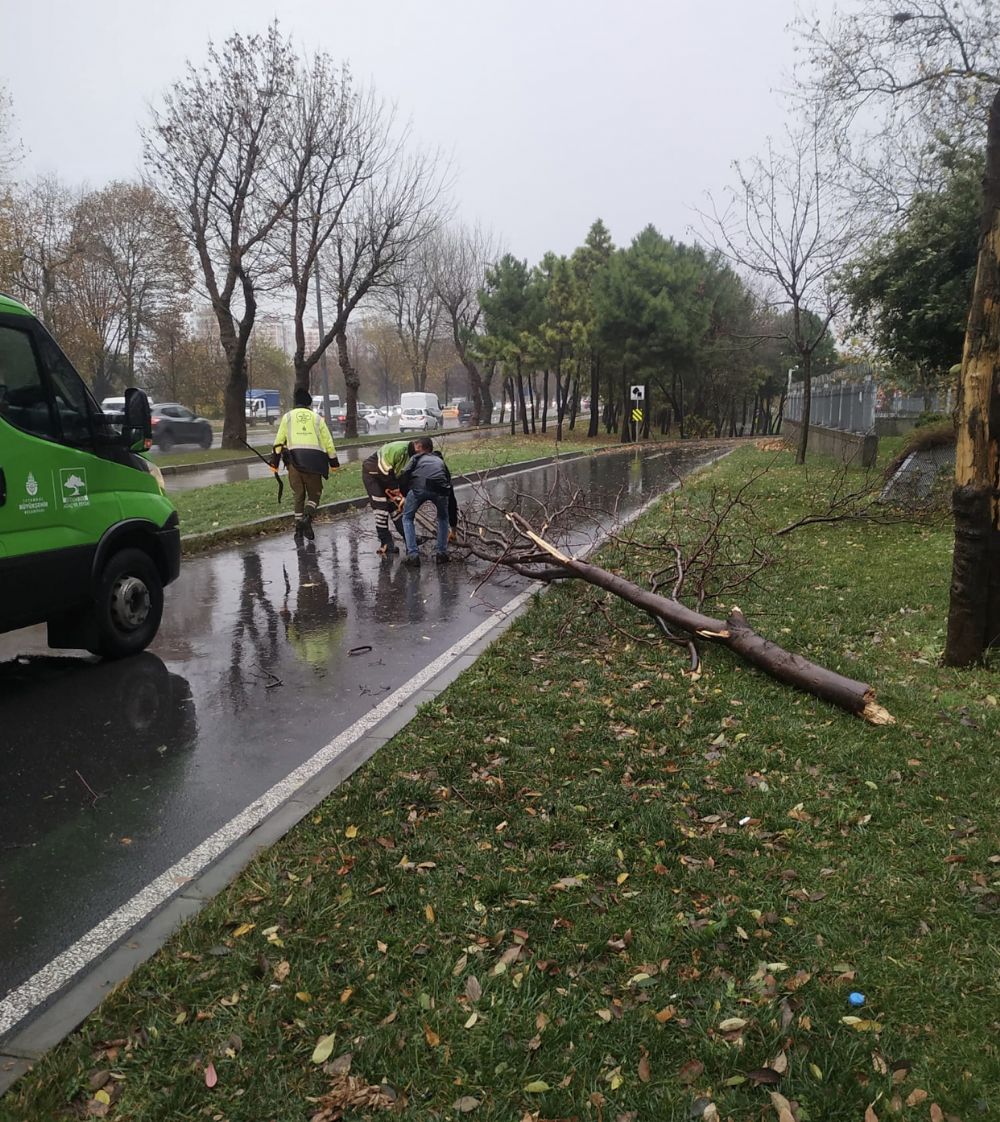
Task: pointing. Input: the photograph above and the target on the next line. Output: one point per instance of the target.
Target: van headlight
(155, 472)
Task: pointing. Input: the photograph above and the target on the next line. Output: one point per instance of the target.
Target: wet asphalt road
(113, 771)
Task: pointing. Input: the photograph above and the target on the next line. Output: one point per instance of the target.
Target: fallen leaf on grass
(916, 1096)
(465, 1104)
(870, 1115)
(782, 1106)
(351, 832)
(536, 1087)
(764, 1075)
(473, 1018)
(690, 1071)
(282, 970)
(665, 1014)
(937, 1114)
(431, 1036)
(732, 1024)
(351, 1091)
(780, 1063)
(211, 1077)
(324, 1049)
(473, 988)
(643, 1070)
(243, 929)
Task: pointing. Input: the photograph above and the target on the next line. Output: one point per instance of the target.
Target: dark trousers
(307, 486)
(382, 506)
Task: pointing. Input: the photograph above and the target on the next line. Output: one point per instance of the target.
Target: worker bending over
(380, 474)
(303, 443)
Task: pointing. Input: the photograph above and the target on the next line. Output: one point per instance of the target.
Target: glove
(395, 496)
(334, 463)
(274, 461)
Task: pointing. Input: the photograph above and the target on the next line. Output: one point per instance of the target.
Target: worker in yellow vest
(304, 445)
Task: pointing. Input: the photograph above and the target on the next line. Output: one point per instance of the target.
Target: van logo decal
(33, 504)
(74, 487)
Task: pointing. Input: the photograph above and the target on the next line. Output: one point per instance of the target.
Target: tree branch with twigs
(719, 551)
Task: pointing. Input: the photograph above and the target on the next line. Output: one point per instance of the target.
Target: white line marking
(19, 1003)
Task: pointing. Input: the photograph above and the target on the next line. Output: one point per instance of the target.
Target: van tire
(128, 606)
(206, 440)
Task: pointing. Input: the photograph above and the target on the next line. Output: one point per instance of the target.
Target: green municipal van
(88, 539)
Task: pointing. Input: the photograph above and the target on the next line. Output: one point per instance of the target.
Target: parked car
(417, 420)
(338, 423)
(176, 424)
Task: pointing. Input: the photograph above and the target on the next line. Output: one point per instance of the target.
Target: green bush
(930, 419)
(698, 428)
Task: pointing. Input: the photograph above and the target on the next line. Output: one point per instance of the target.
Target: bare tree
(785, 225)
(410, 297)
(942, 59)
(131, 238)
(213, 150)
(384, 222)
(42, 246)
(334, 144)
(460, 257)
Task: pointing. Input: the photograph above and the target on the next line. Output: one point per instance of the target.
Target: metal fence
(852, 406)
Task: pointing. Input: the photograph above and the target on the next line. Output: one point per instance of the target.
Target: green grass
(627, 860)
(229, 504)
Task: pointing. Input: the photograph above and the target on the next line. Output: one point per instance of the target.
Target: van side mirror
(137, 428)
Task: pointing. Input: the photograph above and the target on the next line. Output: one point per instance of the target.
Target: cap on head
(302, 398)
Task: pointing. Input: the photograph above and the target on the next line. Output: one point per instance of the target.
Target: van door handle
(3, 487)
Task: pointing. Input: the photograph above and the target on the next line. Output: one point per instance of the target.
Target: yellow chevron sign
(636, 414)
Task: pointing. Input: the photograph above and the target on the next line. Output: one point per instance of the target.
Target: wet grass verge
(225, 507)
(584, 885)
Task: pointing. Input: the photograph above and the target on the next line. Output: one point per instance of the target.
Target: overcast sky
(553, 112)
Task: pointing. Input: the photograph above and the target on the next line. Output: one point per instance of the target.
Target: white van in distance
(419, 412)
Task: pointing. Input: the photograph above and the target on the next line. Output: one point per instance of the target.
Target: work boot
(411, 559)
(442, 558)
(307, 528)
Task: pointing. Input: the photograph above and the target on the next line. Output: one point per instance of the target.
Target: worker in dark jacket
(303, 443)
(426, 479)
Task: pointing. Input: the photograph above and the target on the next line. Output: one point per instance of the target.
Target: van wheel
(129, 605)
(206, 440)
(165, 441)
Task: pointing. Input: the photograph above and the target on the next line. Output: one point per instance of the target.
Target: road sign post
(637, 396)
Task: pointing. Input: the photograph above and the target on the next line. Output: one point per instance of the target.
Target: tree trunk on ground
(734, 632)
(974, 605)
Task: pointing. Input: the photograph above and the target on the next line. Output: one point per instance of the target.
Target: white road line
(19, 1003)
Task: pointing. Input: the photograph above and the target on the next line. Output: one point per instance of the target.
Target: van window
(78, 411)
(23, 398)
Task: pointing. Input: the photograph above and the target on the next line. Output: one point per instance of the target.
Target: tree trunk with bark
(974, 606)
(595, 394)
(734, 632)
(352, 382)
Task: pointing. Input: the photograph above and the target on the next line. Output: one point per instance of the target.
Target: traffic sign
(636, 414)
(638, 393)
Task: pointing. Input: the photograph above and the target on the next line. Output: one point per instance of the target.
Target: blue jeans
(415, 499)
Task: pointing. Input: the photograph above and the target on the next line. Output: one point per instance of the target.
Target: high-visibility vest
(305, 435)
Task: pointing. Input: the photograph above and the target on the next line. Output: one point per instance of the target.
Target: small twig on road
(90, 789)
